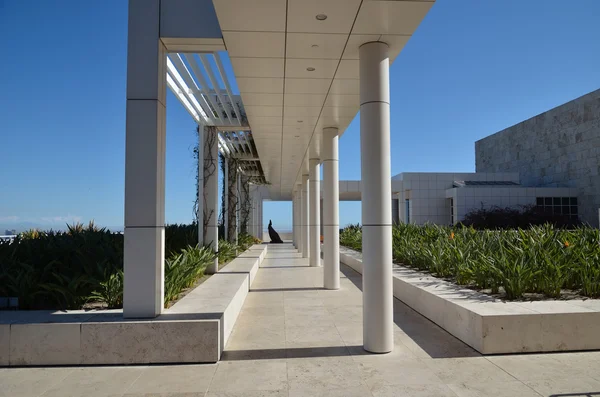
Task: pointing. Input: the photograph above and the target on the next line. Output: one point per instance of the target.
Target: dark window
(407, 209)
(558, 205)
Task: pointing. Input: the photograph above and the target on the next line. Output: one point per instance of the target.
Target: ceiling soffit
(298, 73)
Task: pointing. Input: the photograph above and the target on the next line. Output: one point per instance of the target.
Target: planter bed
(193, 330)
(490, 325)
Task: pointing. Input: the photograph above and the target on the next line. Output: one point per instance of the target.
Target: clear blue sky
(472, 68)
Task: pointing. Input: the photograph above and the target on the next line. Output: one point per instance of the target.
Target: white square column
(260, 217)
(211, 189)
(331, 209)
(305, 217)
(200, 193)
(378, 299)
(144, 252)
(315, 206)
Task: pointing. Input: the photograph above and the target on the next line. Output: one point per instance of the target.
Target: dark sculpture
(275, 239)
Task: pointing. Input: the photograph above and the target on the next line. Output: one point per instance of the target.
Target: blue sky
(472, 68)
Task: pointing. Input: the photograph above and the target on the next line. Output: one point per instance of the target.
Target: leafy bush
(541, 259)
(66, 270)
(351, 237)
(511, 218)
(183, 269)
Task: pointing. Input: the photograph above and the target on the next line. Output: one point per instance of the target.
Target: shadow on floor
(282, 267)
(298, 352)
(588, 394)
(286, 289)
(427, 335)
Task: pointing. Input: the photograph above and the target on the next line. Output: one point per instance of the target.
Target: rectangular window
(558, 205)
(451, 211)
(407, 210)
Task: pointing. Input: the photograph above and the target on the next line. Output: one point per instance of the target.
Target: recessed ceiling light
(315, 46)
(321, 17)
(300, 121)
(297, 136)
(310, 69)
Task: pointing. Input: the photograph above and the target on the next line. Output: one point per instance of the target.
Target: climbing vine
(210, 167)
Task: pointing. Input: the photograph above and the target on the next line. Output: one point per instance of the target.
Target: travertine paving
(294, 338)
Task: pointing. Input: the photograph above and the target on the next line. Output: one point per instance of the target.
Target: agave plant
(109, 290)
(541, 259)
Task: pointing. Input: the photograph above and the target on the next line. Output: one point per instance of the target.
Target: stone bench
(490, 325)
(194, 330)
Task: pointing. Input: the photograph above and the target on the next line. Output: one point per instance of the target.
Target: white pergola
(304, 68)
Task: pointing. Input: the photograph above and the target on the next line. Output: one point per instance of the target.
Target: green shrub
(184, 269)
(540, 259)
(66, 270)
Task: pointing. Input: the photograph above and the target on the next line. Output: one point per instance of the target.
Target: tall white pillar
(211, 213)
(298, 206)
(256, 223)
(299, 217)
(238, 211)
(200, 209)
(260, 218)
(226, 198)
(378, 336)
(144, 252)
(331, 214)
(314, 205)
(294, 219)
(305, 217)
(256, 220)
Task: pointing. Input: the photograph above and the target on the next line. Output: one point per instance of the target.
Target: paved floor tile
(173, 379)
(570, 387)
(357, 391)
(244, 375)
(395, 371)
(96, 382)
(427, 390)
(468, 370)
(250, 393)
(318, 374)
(26, 382)
(482, 389)
(534, 367)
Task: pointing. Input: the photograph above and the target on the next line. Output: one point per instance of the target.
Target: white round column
(293, 220)
(378, 299)
(305, 217)
(331, 211)
(315, 217)
(297, 207)
(299, 217)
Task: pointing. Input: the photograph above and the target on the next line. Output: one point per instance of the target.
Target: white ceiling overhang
(297, 73)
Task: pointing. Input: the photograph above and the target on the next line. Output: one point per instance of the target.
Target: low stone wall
(493, 326)
(194, 330)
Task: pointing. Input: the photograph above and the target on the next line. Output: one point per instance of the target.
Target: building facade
(445, 198)
(558, 148)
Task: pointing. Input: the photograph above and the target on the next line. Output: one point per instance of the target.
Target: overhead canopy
(297, 69)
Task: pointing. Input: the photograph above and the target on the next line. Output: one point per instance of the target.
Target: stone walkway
(294, 338)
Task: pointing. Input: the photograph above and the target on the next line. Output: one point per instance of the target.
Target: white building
(445, 198)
